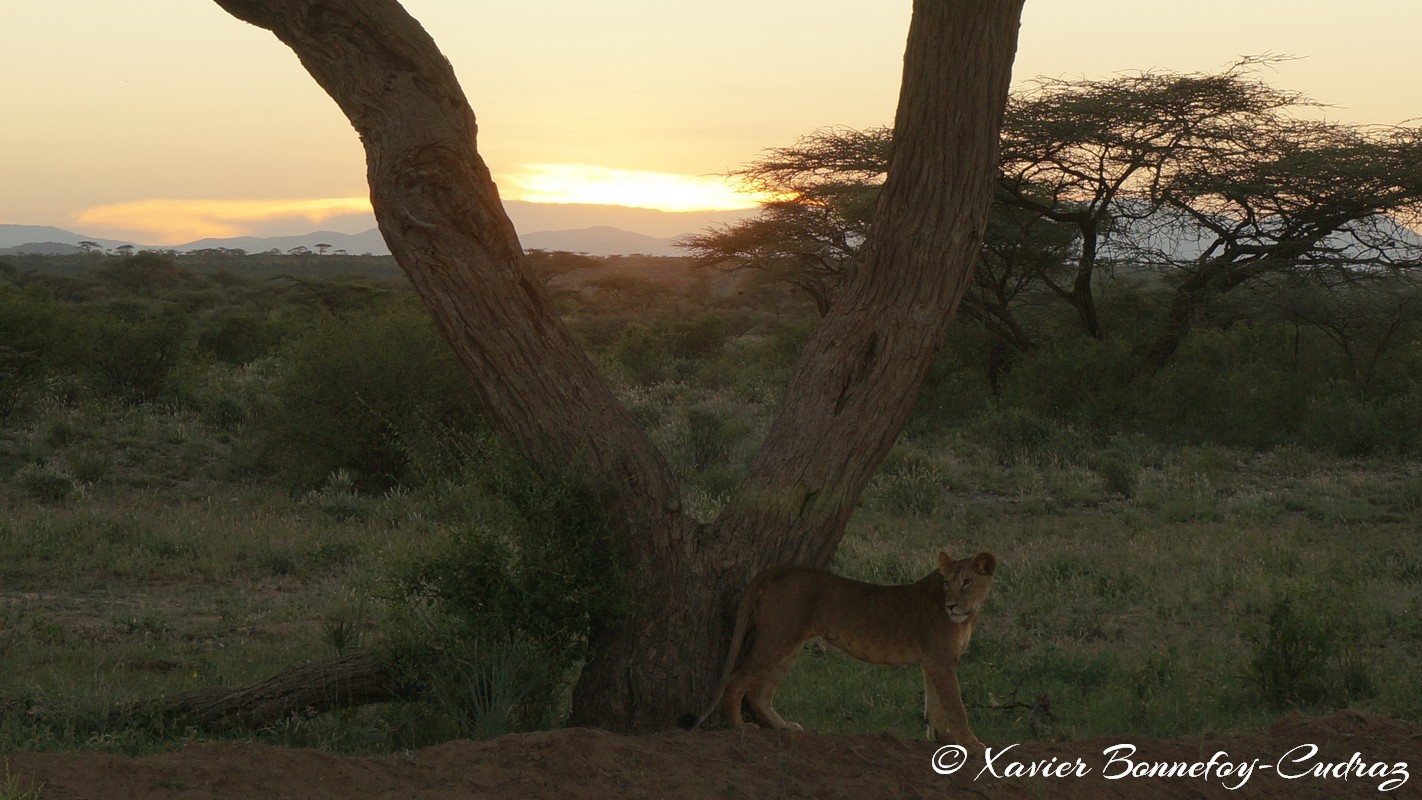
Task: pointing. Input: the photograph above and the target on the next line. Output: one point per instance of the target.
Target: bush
(1010, 433)
(500, 615)
(38, 337)
(45, 484)
(361, 395)
(1078, 381)
(1351, 427)
(1306, 658)
(669, 346)
(134, 354)
(241, 338)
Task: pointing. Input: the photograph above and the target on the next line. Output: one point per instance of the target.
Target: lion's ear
(945, 562)
(984, 563)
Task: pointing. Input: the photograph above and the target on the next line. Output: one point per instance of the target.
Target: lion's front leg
(946, 714)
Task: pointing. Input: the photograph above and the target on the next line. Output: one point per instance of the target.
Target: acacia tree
(826, 185)
(1363, 316)
(824, 188)
(1316, 200)
(847, 400)
(1211, 180)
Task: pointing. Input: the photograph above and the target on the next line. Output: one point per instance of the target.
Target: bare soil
(581, 763)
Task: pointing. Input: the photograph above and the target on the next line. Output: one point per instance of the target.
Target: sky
(164, 121)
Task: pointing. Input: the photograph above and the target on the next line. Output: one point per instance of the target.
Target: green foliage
(16, 787)
(496, 619)
(241, 337)
(135, 350)
(487, 688)
(357, 394)
(1308, 658)
(38, 336)
(1010, 432)
(1076, 380)
(45, 484)
(670, 346)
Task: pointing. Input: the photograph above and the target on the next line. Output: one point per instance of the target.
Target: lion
(928, 623)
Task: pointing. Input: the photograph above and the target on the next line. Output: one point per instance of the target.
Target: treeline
(319, 376)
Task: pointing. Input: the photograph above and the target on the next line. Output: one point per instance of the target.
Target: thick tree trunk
(855, 384)
(847, 401)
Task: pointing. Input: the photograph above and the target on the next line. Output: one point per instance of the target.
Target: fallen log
(304, 691)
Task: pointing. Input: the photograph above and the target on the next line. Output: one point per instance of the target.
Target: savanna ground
(212, 475)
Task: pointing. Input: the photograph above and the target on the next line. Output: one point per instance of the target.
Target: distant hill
(42, 249)
(600, 240)
(543, 217)
(354, 243)
(46, 239)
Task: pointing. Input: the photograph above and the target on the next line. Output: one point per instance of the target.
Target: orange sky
(162, 121)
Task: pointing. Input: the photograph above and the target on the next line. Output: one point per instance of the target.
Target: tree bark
(847, 401)
(306, 690)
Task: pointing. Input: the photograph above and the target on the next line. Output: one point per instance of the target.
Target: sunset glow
(628, 102)
(585, 183)
(167, 221)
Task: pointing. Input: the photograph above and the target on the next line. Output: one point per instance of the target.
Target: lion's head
(965, 583)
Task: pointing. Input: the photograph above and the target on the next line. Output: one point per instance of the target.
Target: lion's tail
(690, 721)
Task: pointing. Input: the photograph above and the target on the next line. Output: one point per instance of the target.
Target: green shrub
(1078, 381)
(1009, 433)
(38, 337)
(669, 347)
(1307, 658)
(45, 484)
(908, 488)
(90, 464)
(360, 394)
(1349, 426)
(134, 353)
(1117, 476)
(241, 338)
(710, 436)
(513, 596)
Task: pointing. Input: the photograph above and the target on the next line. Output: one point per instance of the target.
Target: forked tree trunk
(847, 400)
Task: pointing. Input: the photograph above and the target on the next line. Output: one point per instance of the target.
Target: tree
(1363, 316)
(1317, 200)
(825, 187)
(847, 400)
(1209, 180)
(1100, 155)
(143, 273)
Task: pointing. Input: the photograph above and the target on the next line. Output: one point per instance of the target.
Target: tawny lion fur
(929, 623)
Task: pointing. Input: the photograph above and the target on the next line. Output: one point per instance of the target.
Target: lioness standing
(928, 622)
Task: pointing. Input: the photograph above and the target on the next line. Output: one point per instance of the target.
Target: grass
(16, 787)
(1143, 589)
(1156, 614)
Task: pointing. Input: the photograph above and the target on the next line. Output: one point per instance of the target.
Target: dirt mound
(580, 763)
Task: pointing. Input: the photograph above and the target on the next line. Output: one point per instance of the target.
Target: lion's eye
(967, 581)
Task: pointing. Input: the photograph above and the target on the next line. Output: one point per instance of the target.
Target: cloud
(165, 221)
(585, 183)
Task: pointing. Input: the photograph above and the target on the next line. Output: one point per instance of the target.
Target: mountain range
(591, 229)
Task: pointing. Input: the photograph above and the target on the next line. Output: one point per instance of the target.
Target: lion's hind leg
(758, 676)
(762, 695)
